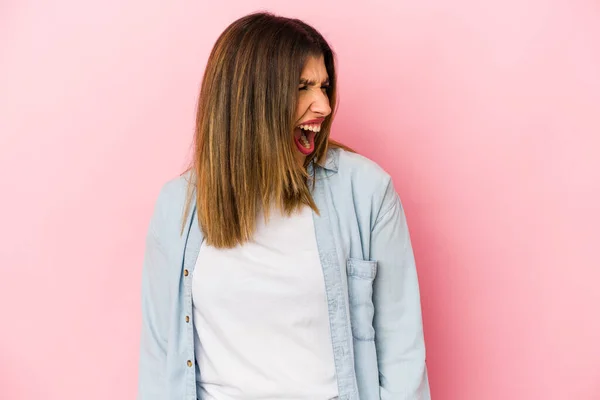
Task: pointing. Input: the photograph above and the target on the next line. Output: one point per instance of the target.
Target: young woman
(279, 266)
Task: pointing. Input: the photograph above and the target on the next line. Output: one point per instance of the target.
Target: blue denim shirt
(370, 282)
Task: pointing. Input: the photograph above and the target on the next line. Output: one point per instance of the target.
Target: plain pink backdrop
(487, 115)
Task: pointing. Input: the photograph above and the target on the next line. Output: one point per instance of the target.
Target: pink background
(487, 114)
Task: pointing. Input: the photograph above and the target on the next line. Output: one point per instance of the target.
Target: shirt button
(187, 318)
(189, 363)
(185, 272)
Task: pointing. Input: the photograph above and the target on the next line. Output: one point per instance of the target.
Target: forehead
(314, 69)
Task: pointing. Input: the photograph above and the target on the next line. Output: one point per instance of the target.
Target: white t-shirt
(261, 318)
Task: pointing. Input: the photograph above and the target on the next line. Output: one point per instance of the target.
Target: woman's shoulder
(366, 180)
(359, 169)
(173, 191)
(168, 206)
(355, 163)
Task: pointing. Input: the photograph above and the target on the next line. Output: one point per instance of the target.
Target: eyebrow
(310, 82)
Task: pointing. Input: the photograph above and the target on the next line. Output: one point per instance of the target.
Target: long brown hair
(244, 158)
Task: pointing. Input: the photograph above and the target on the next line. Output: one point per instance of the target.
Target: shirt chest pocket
(361, 274)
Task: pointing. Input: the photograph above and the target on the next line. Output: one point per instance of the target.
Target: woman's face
(312, 106)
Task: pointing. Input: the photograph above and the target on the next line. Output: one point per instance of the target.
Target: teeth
(304, 128)
(304, 141)
(312, 128)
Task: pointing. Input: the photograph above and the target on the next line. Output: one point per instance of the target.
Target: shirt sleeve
(155, 300)
(398, 322)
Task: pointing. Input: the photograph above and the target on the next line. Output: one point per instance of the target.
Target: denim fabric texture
(370, 282)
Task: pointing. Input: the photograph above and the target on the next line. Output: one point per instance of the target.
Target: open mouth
(304, 137)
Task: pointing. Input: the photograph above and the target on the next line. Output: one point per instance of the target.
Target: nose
(320, 104)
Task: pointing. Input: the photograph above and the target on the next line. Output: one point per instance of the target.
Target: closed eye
(324, 87)
(306, 83)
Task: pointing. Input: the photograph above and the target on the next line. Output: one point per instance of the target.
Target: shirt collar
(331, 159)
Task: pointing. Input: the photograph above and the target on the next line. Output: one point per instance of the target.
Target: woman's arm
(155, 301)
(397, 321)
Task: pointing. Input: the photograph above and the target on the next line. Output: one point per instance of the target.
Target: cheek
(301, 107)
